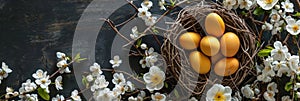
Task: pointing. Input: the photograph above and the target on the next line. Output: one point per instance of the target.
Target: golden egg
(226, 66)
(230, 44)
(189, 40)
(199, 62)
(210, 45)
(214, 25)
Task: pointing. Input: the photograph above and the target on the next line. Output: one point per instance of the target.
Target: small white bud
(277, 7)
(143, 46)
(89, 78)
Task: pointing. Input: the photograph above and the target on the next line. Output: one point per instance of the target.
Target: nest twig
(191, 19)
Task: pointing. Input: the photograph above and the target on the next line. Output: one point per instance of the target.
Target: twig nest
(231, 65)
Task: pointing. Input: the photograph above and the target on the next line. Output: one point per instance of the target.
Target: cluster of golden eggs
(216, 49)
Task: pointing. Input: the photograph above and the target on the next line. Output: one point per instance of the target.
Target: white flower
(281, 68)
(158, 97)
(150, 20)
(219, 93)
(245, 4)
(63, 65)
(267, 26)
(30, 97)
(103, 95)
(286, 98)
(288, 6)
(39, 74)
(229, 3)
(293, 63)
(119, 79)
(119, 89)
(144, 13)
(292, 26)
(277, 27)
(269, 96)
(100, 83)
(280, 52)
(131, 98)
(268, 70)
(58, 98)
(58, 83)
(135, 34)
(298, 94)
(151, 58)
(266, 4)
(130, 86)
(60, 55)
(154, 78)
(162, 3)
(237, 97)
(10, 93)
(272, 87)
(144, 46)
(96, 69)
(192, 99)
(116, 61)
(147, 4)
(4, 71)
(143, 62)
(275, 17)
(264, 78)
(247, 92)
(89, 78)
(75, 96)
(43, 82)
(28, 86)
(297, 85)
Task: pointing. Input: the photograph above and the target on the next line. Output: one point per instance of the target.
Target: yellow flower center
(268, 1)
(43, 81)
(146, 2)
(156, 79)
(158, 97)
(219, 96)
(295, 28)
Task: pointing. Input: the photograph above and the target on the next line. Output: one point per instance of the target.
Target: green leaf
(42, 92)
(298, 77)
(257, 43)
(77, 56)
(297, 14)
(139, 42)
(258, 11)
(155, 30)
(288, 86)
(264, 52)
(244, 13)
(176, 93)
(166, 85)
(81, 59)
(269, 47)
(85, 81)
(173, 2)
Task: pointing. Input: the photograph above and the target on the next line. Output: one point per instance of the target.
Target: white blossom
(39, 74)
(75, 96)
(30, 97)
(287, 6)
(89, 78)
(63, 66)
(60, 55)
(267, 26)
(272, 87)
(286, 98)
(28, 86)
(10, 93)
(280, 52)
(154, 78)
(275, 17)
(104, 95)
(144, 13)
(58, 98)
(219, 93)
(229, 3)
(158, 97)
(269, 96)
(96, 69)
(293, 26)
(247, 92)
(131, 98)
(100, 83)
(266, 4)
(4, 71)
(264, 78)
(245, 4)
(58, 83)
(116, 61)
(135, 33)
(119, 79)
(293, 63)
(162, 3)
(119, 89)
(43, 82)
(143, 63)
(144, 46)
(281, 68)
(130, 86)
(147, 4)
(150, 21)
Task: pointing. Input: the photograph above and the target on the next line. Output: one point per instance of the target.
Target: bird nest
(191, 19)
